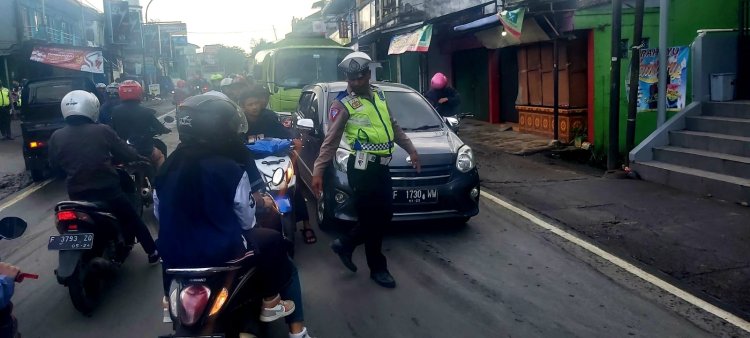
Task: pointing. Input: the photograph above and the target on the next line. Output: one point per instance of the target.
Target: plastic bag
(270, 147)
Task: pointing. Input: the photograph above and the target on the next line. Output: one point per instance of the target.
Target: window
(304, 103)
(366, 17)
(410, 110)
(313, 111)
(389, 7)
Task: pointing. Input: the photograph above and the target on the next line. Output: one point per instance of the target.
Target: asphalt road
(499, 276)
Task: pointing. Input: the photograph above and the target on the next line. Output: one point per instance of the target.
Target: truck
(294, 63)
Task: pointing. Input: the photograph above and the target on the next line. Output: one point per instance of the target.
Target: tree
(232, 59)
(259, 45)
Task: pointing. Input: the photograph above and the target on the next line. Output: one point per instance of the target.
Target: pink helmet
(439, 81)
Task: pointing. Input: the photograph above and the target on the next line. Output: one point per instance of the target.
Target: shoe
(154, 258)
(384, 279)
(302, 334)
(281, 310)
(344, 255)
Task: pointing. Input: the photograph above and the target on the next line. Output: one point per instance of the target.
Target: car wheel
(323, 215)
(463, 221)
(37, 174)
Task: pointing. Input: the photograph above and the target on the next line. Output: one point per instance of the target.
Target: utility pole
(661, 105)
(635, 64)
(274, 33)
(613, 154)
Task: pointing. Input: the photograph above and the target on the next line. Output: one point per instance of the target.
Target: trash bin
(722, 86)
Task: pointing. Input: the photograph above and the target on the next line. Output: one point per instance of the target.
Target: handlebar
(22, 275)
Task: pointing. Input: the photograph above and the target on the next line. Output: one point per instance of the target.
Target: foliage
(259, 45)
(233, 59)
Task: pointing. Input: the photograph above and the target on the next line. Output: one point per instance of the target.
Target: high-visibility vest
(369, 126)
(4, 97)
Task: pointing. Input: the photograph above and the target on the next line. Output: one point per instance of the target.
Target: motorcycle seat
(86, 205)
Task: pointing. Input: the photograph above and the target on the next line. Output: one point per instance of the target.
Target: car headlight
(465, 159)
(342, 159)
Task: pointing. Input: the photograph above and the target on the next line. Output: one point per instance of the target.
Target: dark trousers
(373, 200)
(270, 259)
(300, 206)
(293, 291)
(121, 207)
(5, 121)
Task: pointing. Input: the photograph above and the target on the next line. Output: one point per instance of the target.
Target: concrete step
(730, 188)
(731, 165)
(737, 109)
(718, 143)
(719, 125)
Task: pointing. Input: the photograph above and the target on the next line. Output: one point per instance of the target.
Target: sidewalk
(703, 244)
(12, 169)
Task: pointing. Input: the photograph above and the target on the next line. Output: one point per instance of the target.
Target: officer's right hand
(9, 270)
(317, 185)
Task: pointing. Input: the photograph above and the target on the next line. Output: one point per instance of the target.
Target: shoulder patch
(335, 110)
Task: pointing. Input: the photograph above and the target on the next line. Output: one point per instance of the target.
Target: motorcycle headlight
(341, 160)
(465, 159)
(278, 176)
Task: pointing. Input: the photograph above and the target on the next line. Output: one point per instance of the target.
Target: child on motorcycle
(206, 195)
(263, 122)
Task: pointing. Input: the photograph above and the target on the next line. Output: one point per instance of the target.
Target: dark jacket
(449, 108)
(105, 111)
(84, 151)
(138, 124)
(268, 125)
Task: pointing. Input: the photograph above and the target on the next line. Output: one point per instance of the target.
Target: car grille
(430, 176)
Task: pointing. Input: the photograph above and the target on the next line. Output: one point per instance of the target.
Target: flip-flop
(309, 235)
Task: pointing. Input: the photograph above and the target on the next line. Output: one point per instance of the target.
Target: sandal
(309, 235)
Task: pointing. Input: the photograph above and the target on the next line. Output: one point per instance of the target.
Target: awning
(84, 60)
(496, 37)
(415, 41)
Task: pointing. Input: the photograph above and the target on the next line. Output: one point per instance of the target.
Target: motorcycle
(276, 166)
(91, 245)
(12, 228)
(143, 175)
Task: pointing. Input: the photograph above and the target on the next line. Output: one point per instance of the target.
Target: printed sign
(69, 58)
(648, 79)
(513, 21)
(416, 41)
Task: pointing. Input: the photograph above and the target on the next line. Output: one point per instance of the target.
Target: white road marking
(662, 284)
(23, 194)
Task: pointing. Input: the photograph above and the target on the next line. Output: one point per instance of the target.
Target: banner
(513, 21)
(69, 58)
(416, 41)
(648, 79)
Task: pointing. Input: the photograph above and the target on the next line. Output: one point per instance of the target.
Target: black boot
(384, 279)
(344, 253)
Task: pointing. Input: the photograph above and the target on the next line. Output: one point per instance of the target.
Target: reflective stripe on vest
(369, 126)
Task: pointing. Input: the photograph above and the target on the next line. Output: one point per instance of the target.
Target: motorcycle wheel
(85, 289)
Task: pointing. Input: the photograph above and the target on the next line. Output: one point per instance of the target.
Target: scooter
(143, 175)
(12, 228)
(91, 245)
(272, 157)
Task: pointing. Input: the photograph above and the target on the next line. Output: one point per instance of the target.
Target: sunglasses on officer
(358, 75)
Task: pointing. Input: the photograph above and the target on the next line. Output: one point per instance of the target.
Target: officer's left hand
(415, 163)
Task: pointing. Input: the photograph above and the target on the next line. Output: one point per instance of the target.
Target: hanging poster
(416, 41)
(70, 58)
(513, 21)
(648, 84)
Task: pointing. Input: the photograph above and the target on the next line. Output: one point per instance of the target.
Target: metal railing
(51, 35)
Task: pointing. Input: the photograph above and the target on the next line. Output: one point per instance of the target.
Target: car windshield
(296, 68)
(411, 111)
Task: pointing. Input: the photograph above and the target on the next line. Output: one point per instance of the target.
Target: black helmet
(210, 117)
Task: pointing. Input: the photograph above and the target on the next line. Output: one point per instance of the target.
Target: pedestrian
(15, 100)
(5, 106)
(442, 96)
(361, 115)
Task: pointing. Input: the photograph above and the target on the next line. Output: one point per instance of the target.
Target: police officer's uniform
(367, 126)
(5, 112)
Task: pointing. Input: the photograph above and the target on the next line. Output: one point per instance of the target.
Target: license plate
(82, 241)
(415, 196)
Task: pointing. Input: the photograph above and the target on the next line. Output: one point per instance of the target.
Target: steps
(710, 157)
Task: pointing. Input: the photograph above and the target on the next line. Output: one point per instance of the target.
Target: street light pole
(147, 6)
(613, 155)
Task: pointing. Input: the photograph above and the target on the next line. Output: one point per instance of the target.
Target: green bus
(293, 63)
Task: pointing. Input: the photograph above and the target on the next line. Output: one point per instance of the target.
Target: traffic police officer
(5, 105)
(361, 115)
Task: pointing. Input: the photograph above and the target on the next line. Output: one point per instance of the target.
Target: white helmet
(356, 62)
(226, 82)
(101, 85)
(80, 103)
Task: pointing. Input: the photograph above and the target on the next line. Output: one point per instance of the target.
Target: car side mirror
(452, 123)
(12, 227)
(306, 124)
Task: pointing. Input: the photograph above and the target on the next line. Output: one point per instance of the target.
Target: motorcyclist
(442, 96)
(8, 274)
(136, 123)
(84, 150)
(180, 92)
(101, 91)
(263, 122)
(207, 194)
(113, 99)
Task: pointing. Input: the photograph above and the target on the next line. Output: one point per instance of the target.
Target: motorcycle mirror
(168, 119)
(278, 176)
(12, 227)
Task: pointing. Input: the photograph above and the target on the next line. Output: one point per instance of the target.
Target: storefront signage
(416, 41)
(69, 58)
(513, 21)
